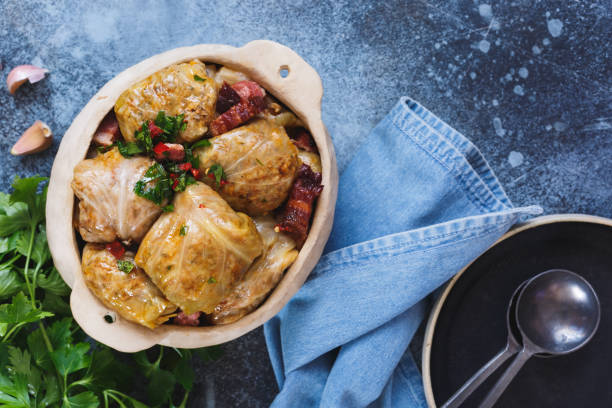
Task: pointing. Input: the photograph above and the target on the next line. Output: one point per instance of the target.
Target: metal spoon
(513, 345)
(557, 312)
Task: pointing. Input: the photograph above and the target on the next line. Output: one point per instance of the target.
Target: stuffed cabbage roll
(197, 253)
(178, 89)
(260, 163)
(263, 276)
(129, 292)
(108, 208)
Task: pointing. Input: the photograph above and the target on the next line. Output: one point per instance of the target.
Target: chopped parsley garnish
(128, 149)
(212, 280)
(168, 208)
(216, 173)
(182, 181)
(199, 78)
(171, 125)
(125, 266)
(183, 230)
(201, 143)
(162, 185)
(259, 162)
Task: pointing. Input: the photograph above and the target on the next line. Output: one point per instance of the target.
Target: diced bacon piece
(236, 115)
(303, 140)
(108, 131)
(183, 319)
(154, 130)
(251, 103)
(248, 90)
(116, 248)
(169, 151)
(294, 218)
(227, 98)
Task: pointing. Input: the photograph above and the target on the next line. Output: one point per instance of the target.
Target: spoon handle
(507, 377)
(485, 371)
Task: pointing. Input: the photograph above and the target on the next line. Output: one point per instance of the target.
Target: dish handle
(283, 70)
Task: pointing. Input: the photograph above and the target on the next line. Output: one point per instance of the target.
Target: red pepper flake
(195, 172)
(154, 130)
(160, 149)
(211, 176)
(185, 166)
(223, 182)
(116, 249)
(201, 206)
(173, 176)
(176, 181)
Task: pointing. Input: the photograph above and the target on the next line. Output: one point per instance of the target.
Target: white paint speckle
(497, 125)
(547, 14)
(515, 159)
(473, 75)
(555, 26)
(523, 72)
(485, 11)
(508, 77)
(498, 42)
(484, 46)
(548, 128)
(536, 50)
(519, 90)
(437, 46)
(546, 42)
(560, 126)
(495, 102)
(495, 25)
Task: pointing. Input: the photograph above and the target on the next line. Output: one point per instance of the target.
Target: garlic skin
(36, 138)
(22, 73)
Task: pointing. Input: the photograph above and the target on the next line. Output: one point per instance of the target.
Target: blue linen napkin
(417, 203)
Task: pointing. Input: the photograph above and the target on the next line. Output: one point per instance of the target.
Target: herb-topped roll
(183, 89)
(109, 208)
(112, 276)
(197, 253)
(258, 162)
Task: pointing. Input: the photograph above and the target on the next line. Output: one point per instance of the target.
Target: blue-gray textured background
(527, 81)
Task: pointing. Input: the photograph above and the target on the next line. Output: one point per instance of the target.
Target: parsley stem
(27, 264)
(14, 329)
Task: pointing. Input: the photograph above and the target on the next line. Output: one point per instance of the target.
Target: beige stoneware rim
(301, 90)
(433, 316)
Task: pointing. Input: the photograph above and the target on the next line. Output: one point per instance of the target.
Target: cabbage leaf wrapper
(260, 163)
(178, 89)
(263, 276)
(108, 208)
(132, 295)
(197, 253)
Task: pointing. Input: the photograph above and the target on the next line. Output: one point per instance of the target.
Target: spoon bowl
(558, 311)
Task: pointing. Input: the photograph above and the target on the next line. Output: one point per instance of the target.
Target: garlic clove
(22, 73)
(36, 138)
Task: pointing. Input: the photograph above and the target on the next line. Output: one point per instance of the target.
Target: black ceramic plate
(468, 325)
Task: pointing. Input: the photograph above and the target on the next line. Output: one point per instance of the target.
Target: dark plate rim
(435, 312)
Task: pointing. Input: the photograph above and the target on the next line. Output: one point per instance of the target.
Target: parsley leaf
(259, 162)
(125, 266)
(171, 125)
(20, 311)
(129, 149)
(86, 399)
(71, 358)
(199, 78)
(201, 143)
(161, 189)
(24, 191)
(183, 230)
(217, 171)
(168, 208)
(212, 280)
(53, 283)
(10, 283)
(13, 217)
